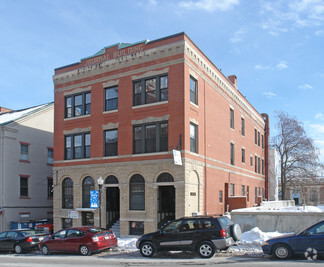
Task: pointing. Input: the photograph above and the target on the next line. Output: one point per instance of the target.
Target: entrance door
(166, 204)
(112, 206)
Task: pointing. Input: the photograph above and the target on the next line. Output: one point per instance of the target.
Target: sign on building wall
(177, 157)
(94, 199)
(73, 214)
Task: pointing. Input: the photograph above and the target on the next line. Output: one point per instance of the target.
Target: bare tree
(299, 161)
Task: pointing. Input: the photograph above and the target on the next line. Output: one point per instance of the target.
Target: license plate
(41, 238)
(107, 237)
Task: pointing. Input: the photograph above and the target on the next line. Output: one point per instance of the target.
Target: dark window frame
(243, 126)
(24, 152)
(114, 100)
(243, 155)
(232, 153)
(85, 106)
(142, 97)
(220, 196)
(85, 148)
(113, 145)
(24, 186)
(140, 140)
(67, 193)
(193, 90)
(88, 184)
(50, 155)
(194, 140)
(137, 192)
(232, 118)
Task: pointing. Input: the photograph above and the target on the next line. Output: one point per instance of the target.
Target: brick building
(121, 112)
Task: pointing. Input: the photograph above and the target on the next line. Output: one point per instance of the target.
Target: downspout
(266, 153)
(2, 174)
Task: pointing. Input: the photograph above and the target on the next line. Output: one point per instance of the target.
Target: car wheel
(18, 249)
(206, 249)
(45, 250)
(84, 250)
(147, 249)
(236, 232)
(282, 251)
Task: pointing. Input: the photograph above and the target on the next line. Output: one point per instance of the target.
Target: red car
(83, 240)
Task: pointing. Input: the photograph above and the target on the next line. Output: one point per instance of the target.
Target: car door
(190, 233)
(73, 239)
(169, 237)
(10, 240)
(312, 238)
(56, 242)
(2, 240)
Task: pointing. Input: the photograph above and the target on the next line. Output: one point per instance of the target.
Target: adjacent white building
(26, 161)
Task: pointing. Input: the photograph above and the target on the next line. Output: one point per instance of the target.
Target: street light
(100, 183)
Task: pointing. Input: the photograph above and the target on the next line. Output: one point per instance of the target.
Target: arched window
(137, 192)
(165, 178)
(111, 179)
(87, 186)
(67, 193)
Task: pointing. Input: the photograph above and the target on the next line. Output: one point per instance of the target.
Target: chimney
(233, 80)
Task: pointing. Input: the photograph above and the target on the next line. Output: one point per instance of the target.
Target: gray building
(26, 160)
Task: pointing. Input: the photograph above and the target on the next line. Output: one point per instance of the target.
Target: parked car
(83, 240)
(203, 234)
(309, 242)
(20, 241)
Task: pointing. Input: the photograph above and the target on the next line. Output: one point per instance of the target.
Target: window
(87, 186)
(111, 141)
(232, 190)
(243, 155)
(262, 166)
(150, 90)
(262, 138)
(243, 190)
(251, 161)
(77, 146)
(136, 228)
(193, 91)
(256, 195)
(258, 138)
(247, 193)
(255, 136)
(78, 105)
(232, 118)
(220, 196)
(24, 186)
(149, 138)
(50, 187)
(66, 223)
(242, 126)
(259, 165)
(111, 98)
(256, 164)
(50, 156)
(137, 192)
(24, 151)
(193, 138)
(232, 154)
(67, 193)
(87, 218)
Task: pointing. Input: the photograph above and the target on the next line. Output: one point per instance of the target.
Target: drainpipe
(2, 173)
(266, 153)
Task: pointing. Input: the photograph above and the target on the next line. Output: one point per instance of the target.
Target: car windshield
(96, 230)
(172, 226)
(224, 222)
(30, 232)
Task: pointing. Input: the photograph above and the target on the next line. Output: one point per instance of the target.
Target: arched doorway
(112, 201)
(166, 199)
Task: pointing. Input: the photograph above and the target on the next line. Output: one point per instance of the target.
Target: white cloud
(269, 95)
(209, 5)
(238, 36)
(319, 116)
(305, 87)
(319, 33)
(282, 65)
(279, 15)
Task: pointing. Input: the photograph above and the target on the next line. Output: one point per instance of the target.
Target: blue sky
(274, 47)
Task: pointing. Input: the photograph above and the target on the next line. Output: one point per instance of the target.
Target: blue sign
(94, 199)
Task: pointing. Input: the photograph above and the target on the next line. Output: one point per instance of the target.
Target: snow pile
(252, 241)
(126, 244)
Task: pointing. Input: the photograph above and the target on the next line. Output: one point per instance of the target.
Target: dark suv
(203, 234)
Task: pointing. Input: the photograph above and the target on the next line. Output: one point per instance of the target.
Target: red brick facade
(179, 58)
